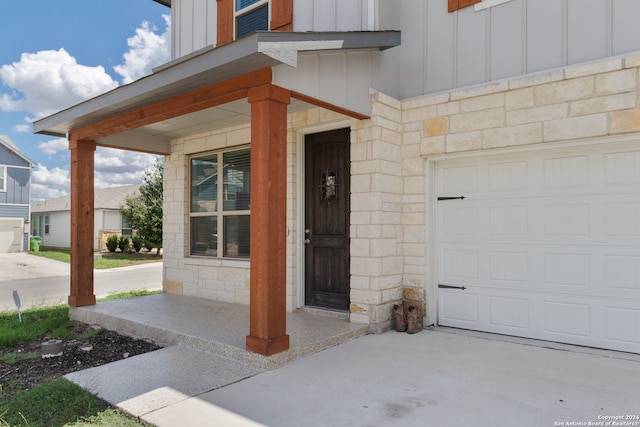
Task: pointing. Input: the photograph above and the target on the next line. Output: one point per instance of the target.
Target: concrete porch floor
(216, 327)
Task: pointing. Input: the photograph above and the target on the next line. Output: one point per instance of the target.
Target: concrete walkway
(434, 378)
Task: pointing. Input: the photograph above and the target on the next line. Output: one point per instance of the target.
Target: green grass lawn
(59, 402)
(103, 260)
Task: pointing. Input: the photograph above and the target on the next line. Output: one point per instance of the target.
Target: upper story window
(3, 178)
(250, 16)
(239, 18)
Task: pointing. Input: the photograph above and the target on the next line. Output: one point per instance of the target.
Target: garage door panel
(508, 176)
(566, 172)
(623, 325)
(567, 318)
(567, 269)
(622, 219)
(566, 220)
(509, 313)
(622, 272)
(508, 221)
(459, 179)
(622, 167)
(460, 264)
(508, 266)
(459, 309)
(546, 243)
(460, 220)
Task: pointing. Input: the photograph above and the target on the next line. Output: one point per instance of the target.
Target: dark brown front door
(327, 219)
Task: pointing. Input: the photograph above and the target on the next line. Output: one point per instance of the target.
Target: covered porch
(233, 85)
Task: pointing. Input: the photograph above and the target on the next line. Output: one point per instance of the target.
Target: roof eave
(164, 2)
(208, 66)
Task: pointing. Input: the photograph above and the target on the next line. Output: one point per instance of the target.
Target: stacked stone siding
(585, 101)
(376, 214)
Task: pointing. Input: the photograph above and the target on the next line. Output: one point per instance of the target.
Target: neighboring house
(51, 219)
(357, 128)
(15, 191)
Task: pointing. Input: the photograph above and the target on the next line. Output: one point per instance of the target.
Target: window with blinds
(220, 210)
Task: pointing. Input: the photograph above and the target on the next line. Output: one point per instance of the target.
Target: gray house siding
(17, 186)
(11, 159)
(14, 197)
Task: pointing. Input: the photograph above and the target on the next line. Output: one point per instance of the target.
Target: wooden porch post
(82, 215)
(267, 328)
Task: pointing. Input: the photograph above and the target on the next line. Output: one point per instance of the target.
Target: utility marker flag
(16, 298)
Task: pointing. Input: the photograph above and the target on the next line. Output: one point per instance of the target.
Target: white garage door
(546, 244)
(10, 235)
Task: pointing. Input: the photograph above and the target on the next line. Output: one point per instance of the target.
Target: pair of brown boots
(408, 323)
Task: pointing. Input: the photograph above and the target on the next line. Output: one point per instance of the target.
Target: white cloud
(112, 168)
(49, 184)
(51, 148)
(50, 80)
(146, 51)
(119, 167)
(24, 128)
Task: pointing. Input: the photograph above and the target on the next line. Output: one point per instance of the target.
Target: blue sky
(54, 54)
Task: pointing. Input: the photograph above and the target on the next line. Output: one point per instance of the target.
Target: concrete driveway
(22, 265)
(435, 378)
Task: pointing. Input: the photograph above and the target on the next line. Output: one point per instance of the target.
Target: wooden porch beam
(328, 106)
(200, 99)
(82, 217)
(268, 310)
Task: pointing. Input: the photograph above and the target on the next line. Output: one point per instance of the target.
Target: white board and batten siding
(195, 21)
(443, 51)
(546, 243)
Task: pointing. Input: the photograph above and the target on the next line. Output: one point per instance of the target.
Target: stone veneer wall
(585, 101)
(376, 214)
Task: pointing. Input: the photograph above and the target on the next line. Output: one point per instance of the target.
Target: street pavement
(41, 281)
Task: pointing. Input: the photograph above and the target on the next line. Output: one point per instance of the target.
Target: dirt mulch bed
(106, 347)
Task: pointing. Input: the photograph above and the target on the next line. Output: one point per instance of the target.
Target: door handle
(307, 241)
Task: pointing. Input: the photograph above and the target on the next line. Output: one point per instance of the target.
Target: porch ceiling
(155, 138)
(200, 69)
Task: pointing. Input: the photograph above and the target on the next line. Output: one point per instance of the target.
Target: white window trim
(486, 4)
(3, 189)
